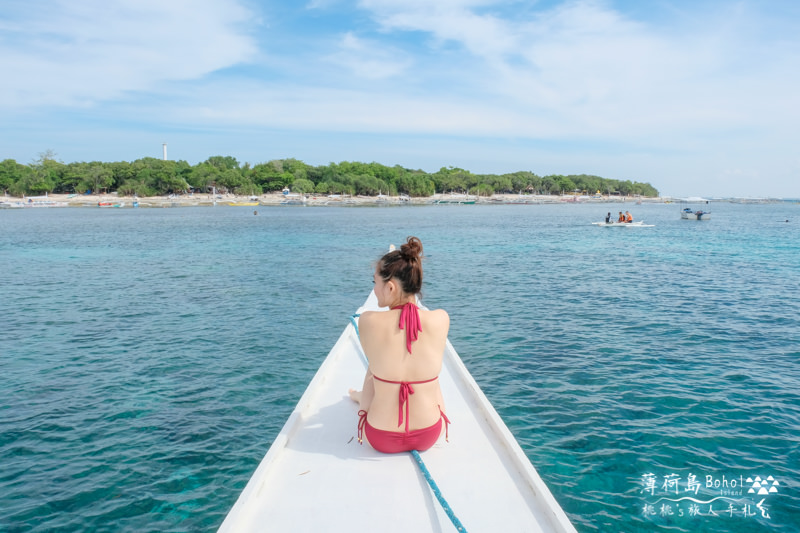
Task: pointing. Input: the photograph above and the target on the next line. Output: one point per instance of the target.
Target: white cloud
(294, 107)
(321, 4)
(68, 53)
(484, 35)
(598, 72)
(370, 59)
(711, 88)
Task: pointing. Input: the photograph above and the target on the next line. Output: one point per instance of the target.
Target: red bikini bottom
(399, 441)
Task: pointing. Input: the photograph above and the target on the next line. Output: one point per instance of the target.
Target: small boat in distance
(41, 201)
(688, 214)
(637, 224)
(293, 198)
(454, 198)
(317, 477)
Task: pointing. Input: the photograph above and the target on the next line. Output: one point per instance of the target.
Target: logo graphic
(762, 486)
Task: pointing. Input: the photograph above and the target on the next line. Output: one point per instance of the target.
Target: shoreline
(314, 200)
(279, 199)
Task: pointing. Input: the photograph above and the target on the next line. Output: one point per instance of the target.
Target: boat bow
(316, 477)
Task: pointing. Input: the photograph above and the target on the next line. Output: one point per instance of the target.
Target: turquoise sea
(148, 357)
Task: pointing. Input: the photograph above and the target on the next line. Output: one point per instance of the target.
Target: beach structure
(317, 477)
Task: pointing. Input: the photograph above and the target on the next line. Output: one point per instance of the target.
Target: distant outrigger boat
(41, 201)
(637, 224)
(110, 204)
(293, 198)
(46, 203)
(457, 199)
(688, 214)
(316, 476)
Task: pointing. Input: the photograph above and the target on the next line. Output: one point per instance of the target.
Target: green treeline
(150, 177)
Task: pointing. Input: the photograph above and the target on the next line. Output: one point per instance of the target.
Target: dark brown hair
(405, 265)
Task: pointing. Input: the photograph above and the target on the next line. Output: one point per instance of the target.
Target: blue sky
(695, 97)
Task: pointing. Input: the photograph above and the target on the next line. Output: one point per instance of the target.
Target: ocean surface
(148, 357)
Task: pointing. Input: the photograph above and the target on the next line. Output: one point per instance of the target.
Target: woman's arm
(440, 400)
(367, 391)
(364, 396)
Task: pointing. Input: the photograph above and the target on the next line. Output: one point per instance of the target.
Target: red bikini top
(409, 321)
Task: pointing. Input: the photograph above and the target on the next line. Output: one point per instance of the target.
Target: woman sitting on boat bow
(401, 402)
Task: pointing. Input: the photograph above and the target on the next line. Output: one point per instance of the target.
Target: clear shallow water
(149, 357)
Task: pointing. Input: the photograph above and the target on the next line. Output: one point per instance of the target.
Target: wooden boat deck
(316, 476)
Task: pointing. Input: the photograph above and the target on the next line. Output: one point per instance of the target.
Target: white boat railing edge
(557, 516)
(256, 482)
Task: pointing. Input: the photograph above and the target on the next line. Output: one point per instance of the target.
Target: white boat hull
(637, 224)
(316, 477)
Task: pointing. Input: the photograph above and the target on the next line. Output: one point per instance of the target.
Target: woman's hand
(355, 395)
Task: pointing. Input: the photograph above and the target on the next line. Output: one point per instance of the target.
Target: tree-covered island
(155, 177)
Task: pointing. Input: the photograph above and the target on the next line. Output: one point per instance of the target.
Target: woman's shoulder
(373, 317)
(438, 316)
(368, 316)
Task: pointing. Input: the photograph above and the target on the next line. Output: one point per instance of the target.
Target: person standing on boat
(628, 216)
(401, 403)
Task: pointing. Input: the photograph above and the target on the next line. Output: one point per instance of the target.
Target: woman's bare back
(384, 344)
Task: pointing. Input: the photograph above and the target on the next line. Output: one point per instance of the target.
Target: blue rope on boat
(355, 324)
(424, 469)
(438, 493)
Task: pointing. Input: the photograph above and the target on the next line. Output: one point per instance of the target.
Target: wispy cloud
(368, 58)
(654, 90)
(80, 53)
(595, 68)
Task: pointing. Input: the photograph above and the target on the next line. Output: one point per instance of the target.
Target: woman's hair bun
(412, 249)
(405, 265)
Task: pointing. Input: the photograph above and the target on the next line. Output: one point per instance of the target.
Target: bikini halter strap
(409, 321)
(405, 391)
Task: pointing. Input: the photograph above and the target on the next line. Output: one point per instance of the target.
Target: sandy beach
(279, 199)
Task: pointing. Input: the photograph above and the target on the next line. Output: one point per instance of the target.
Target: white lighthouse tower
(164, 146)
